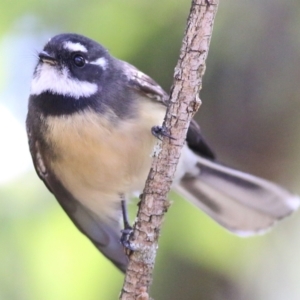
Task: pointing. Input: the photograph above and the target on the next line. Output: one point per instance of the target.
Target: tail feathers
(242, 203)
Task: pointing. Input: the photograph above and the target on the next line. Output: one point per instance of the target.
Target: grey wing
(242, 203)
(144, 84)
(104, 235)
(149, 88)
(197, 143)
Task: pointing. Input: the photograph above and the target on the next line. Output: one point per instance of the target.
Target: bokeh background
(250, 115)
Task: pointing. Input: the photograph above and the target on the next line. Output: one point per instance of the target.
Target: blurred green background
(250, 115)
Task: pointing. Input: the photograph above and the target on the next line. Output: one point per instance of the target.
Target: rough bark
(184, 103)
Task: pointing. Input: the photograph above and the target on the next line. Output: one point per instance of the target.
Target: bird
(90, 132)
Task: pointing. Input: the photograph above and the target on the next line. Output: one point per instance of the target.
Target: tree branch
(184, 103)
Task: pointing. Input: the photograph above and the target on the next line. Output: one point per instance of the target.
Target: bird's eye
(79, 60)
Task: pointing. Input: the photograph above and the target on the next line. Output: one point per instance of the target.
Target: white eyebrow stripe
(48, 79)
(74, 47)
(102, 62)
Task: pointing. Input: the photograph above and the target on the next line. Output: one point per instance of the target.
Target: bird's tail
(242, 203)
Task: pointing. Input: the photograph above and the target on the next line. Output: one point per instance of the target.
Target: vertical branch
(184, 103)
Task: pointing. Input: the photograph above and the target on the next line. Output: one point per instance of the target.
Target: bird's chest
(92, 154)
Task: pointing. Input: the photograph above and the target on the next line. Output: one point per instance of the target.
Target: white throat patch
(49, 78)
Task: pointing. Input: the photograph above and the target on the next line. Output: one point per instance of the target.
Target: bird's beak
(47, 58)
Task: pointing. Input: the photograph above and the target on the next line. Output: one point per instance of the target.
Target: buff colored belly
(97, 161)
